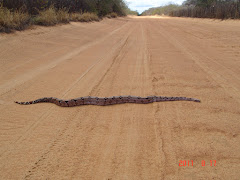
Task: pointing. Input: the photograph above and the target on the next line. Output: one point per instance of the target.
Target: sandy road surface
(128, 56)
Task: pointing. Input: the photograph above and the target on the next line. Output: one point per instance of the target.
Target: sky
(142, 5)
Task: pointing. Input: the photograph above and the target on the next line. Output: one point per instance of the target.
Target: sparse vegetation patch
(47, 17)
(85, 17)
(112, 15)
(16, 20)
(18, 14)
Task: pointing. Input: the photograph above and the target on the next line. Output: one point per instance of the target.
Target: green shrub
(16, 20)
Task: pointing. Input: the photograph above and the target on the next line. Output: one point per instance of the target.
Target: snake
(105, 101)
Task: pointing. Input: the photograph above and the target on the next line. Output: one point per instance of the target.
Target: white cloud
(142, 5)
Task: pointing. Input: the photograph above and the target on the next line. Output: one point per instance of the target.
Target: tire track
(130, 141)
(41, 162)
(175, 119)
(116, 60)
(30, 60)
(6, 87)
(46, 114)
(231, 90)
(162, 127)
(229, 71)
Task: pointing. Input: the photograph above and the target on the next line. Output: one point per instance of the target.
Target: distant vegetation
(220, 9)
(18, 14)
(130, 12)
(162, 10)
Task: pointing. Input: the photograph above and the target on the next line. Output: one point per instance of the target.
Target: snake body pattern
(106, 101)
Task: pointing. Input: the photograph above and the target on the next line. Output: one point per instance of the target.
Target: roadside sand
(127, 56)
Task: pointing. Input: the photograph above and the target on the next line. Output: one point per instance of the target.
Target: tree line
(100, 7)
(220, 9)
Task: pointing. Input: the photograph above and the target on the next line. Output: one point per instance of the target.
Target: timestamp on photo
(189, 163)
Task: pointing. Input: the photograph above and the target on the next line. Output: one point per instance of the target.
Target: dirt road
(126, 56)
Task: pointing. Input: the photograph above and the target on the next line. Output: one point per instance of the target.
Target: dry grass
(51, 16)
(19, 20)
(85, 17)
(10, 21)
(63, 16)
(47, 17)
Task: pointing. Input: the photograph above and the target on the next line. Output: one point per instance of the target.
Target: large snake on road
(107, 100)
